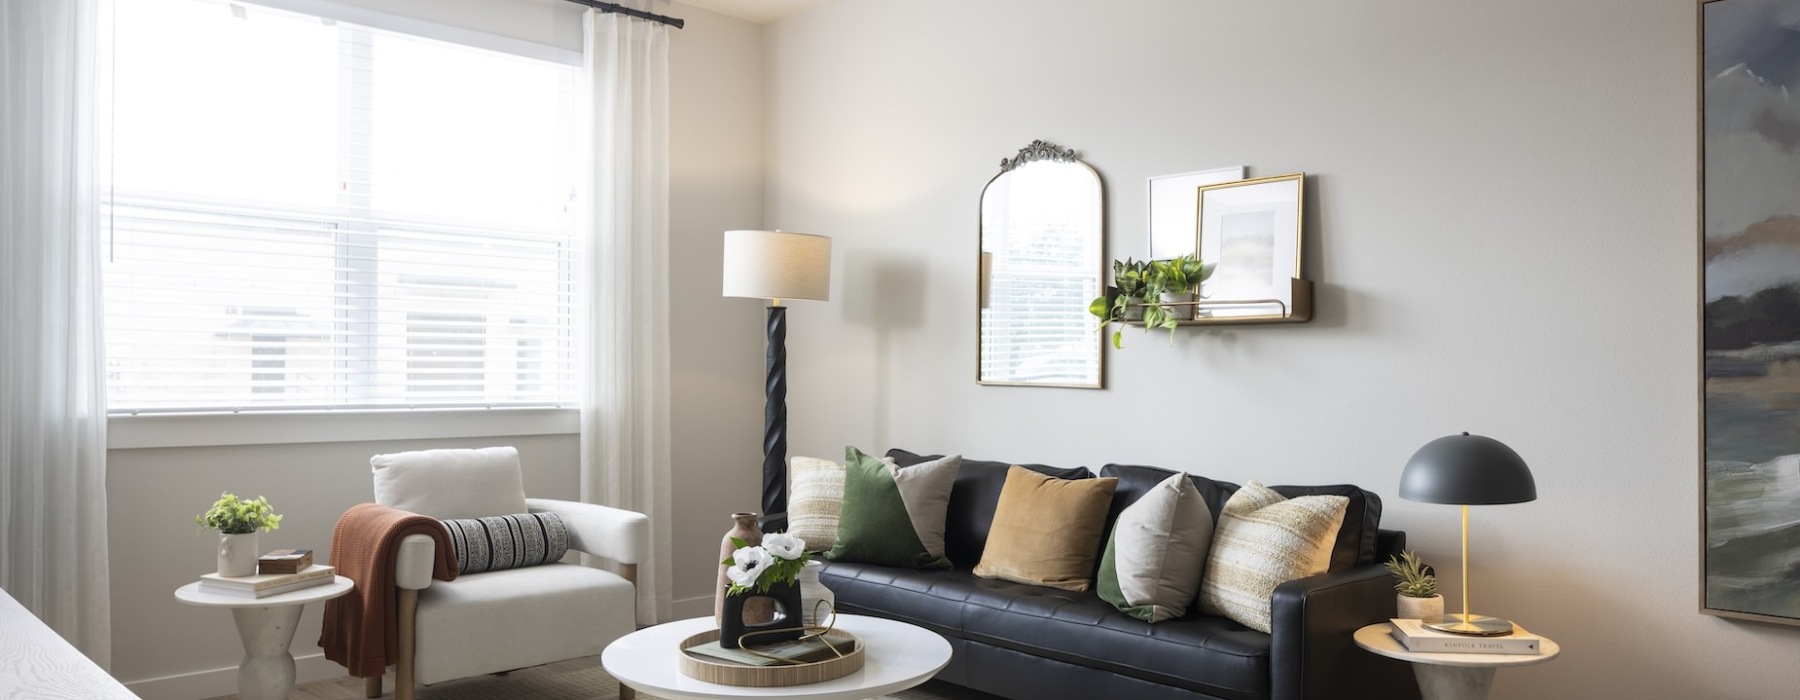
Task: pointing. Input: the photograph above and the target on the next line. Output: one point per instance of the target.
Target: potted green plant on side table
(237, 522)
(1417, 586)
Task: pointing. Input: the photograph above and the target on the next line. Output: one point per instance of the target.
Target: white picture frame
(1251, 231)
(1172, 208)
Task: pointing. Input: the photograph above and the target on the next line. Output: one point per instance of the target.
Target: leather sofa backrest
(1356, 539)
(973, 500)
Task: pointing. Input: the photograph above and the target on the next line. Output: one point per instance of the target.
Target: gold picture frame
(1251, 232)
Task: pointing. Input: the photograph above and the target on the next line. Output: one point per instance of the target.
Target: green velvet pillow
(892, 515)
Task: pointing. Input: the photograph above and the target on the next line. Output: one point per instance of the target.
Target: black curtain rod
(675, 22)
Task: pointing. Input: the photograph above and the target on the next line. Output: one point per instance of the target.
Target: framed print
(1172, 209)
(1749, 254)
(1250, 229)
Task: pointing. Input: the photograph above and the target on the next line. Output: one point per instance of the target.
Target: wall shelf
(1298, 309)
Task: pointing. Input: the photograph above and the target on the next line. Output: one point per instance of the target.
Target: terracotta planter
(744, 528)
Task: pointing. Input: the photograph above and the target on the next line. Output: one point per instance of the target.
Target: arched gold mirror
(1042, 238)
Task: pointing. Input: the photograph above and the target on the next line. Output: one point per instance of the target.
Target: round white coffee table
(899, 656)
(266, 626)
(1450, 676)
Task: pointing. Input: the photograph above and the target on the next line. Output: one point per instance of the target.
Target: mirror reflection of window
(1041, 245)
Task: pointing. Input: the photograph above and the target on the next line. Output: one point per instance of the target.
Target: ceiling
(758, 11)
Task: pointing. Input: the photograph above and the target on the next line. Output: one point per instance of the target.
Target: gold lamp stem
(1465, 565)
(1482, 625)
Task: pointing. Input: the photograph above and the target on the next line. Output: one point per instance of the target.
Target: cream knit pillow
(815, 499)
(1262, 541)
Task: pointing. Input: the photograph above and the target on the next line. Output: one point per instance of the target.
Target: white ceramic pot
(1421, 609)
(237, 554)
(1185, 311)
(816, 601)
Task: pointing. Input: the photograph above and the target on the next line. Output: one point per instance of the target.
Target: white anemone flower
(748, 564)
(784, 545)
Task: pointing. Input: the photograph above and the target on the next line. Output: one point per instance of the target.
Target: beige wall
(164, 650)
(1501, 225)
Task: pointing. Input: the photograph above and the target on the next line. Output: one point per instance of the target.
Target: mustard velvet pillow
(1047, 530)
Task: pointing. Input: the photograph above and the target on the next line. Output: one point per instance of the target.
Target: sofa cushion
(1205, 654)
(972, 501)
(1154, 556)
(1357, 537)
(815, 499)
(1046, 530)
(501, 542)
(892, 514)
(1264, 540)
(448, 484)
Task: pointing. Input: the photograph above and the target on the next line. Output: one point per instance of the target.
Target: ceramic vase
(1421, 609)
(818, 603)
(237, 554)
(1179, 304)
(743, 527)
(783, 600)
(1134, 309)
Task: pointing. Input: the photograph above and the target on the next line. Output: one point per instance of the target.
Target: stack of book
(284, 561)
(1415, 636)
(265, 585)
(805, 650)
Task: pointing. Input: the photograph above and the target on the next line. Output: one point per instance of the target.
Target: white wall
(164, 650)
(1501, 224)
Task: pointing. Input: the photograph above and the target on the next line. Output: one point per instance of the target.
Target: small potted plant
(1418, 599)
(237, 522)
(1124, 301)
(1178, 284)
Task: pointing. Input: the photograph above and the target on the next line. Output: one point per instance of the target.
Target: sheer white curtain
(52, 395)
(625, 397)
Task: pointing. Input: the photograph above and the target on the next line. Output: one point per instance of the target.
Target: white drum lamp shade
(777, 265)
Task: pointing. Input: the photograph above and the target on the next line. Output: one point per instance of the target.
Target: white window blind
(307, 214)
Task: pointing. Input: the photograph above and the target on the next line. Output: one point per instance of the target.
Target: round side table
(1449, 676)
(899, 656)
(266, 626)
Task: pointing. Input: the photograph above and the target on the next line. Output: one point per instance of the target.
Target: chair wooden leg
(629, 572)
(403, 667)
(372, 687)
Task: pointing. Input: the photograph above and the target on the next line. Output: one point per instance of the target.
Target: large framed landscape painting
(1750, 313)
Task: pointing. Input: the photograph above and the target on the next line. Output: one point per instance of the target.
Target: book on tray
(805, 650)
(1415, 636)
(284, 561)
(265, 585)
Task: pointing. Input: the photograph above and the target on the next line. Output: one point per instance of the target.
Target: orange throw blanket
(361, 630)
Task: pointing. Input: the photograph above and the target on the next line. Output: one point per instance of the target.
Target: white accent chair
(499, 621)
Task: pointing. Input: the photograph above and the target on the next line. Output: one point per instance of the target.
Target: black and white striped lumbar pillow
(507, 541)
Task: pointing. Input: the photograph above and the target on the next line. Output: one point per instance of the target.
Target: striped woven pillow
(507, 541)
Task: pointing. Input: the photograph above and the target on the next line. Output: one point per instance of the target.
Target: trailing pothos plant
(1131, 284)
(1141, 285)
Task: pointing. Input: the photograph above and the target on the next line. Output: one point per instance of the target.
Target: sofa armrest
(412, 567)
(620, 535)
(1312, 654)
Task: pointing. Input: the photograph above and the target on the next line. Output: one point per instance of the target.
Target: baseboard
(223, 681)
(691, 607)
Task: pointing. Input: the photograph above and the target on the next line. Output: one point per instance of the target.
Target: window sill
(125, 432)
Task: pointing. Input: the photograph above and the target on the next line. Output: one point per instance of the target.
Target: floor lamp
(1468, 470)
(776, 265)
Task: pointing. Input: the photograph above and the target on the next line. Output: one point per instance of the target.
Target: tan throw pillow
(1046, 530)
(1262, 541)
(815, 499)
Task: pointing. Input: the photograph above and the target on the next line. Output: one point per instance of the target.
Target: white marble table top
(900, 656)
(1379, 639)
(192, 595)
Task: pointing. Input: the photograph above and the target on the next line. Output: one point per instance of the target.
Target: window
(308, 214)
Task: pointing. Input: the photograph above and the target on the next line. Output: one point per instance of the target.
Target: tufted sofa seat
(1022, 641)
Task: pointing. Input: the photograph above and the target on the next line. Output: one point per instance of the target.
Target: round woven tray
(705, 669)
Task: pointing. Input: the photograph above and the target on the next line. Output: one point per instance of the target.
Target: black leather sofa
(1022, 641)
